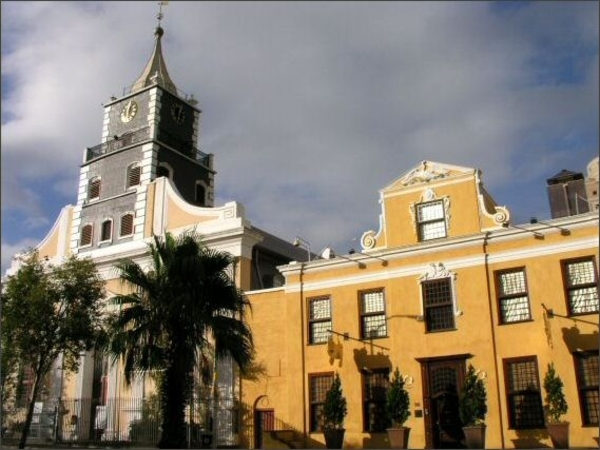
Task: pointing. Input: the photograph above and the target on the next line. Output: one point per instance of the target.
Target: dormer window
(134, 172)
(94, 189)
(431, 220)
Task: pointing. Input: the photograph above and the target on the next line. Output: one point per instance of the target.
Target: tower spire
(155, 71)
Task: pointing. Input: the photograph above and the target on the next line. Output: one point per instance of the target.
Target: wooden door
(442, 380)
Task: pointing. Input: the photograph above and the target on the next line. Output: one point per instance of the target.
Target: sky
(310, 108)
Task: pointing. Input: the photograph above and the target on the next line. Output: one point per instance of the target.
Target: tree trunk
(173, 401)
(30, 408)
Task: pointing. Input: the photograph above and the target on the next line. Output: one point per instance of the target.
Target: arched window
(106, 231)
(134, 172)
(126, 225)
(94, 188)
(164, 170)
(200, 198)
(86, 235)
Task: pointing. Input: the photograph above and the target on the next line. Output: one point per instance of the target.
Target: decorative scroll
(423, 174)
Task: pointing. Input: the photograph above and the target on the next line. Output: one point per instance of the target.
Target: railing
(185, 147)
(118, 143)
(133, 421)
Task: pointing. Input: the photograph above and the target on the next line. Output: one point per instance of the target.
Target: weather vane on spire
(160, 14)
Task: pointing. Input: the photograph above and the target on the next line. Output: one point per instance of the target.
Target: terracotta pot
(559, 434)
(398, 437)
(474, 436)
(334, 438)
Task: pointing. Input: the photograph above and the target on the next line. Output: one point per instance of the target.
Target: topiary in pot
(398, 411)
(556, 406)
(472, 408)
(334, 412)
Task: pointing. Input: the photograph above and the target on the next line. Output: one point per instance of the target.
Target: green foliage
(398, 400)
(556, 403)
(168, 322)
(335, 407)
(146, 428)
(472, 399)
(51, 310)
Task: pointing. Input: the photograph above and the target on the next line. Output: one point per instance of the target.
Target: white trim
(437, 272)
(112, 226)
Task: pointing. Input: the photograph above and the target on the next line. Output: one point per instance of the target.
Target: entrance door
(442, 379)
(264, 420)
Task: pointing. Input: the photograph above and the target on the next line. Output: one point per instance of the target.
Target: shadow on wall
(577, 341)
(531, 438)
(365, 361)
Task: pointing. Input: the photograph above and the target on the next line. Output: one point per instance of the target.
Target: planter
(474, 436)
(559, 434)
(398, 437)
(334, 438)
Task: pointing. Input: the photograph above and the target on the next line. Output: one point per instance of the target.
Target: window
(318, 387)
(375, 387)
(319, 320)
(94, 188)
(372, 315)
(134, 172)
(581, 284)
(126, 225)
(200, 194)
(437, 304)
(106, 231)
(431, 220)
(163, 171)
(586, 367)
(512, 296)
(523, 393)
(86, 235)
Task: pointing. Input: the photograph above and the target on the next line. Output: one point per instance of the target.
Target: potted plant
(556, 406)
(472, 408)
(334, 413)
(398, 410)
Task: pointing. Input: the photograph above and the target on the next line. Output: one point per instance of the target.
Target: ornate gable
(426, 172)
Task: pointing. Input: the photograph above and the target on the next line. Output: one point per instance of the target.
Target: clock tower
(150, 132)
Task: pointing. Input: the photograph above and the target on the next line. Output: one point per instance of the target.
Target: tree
(175, 311)
(397, 401)
(556, 403)
(48, 311)
(472, 399)
(335, 407)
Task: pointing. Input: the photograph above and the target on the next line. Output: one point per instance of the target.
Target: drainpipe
(492, 328)
(303, 356)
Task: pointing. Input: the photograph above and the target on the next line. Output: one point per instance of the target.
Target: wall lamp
(383, 261)
(535, 233)
(563, 231)
(328, 253)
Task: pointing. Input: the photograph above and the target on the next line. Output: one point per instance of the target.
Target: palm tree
(175, 312)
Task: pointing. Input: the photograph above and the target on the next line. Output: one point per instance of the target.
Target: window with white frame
(438, 304)
(431, 220)
(319, 320)
(513, 299)
(134, 172)
(106, 231)
(373, 322)
(94, 188)
(126, 228)
(581, 285)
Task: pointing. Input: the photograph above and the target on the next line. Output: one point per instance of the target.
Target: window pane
(318, 387)
(514, 309)
(437, 292)
(439, 318)
(430, 211)
(374, 326)
(433, 230)
(320, 309)
(525, 401)
(583, 300)
(587, 380)
(581, 272)
(318, 332)
(94, 188)
(512, 283)
(372, 302)
(375, 388)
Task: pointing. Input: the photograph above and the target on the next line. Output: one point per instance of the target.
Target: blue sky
(309, 107)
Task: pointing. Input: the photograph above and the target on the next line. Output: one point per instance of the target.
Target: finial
(160, 14)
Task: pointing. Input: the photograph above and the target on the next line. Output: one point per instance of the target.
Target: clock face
(177, 112)
(129, 111)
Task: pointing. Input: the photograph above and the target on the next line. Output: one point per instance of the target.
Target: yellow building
(446, 281)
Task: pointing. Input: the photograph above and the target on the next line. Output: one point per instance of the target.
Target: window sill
(440, 331)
